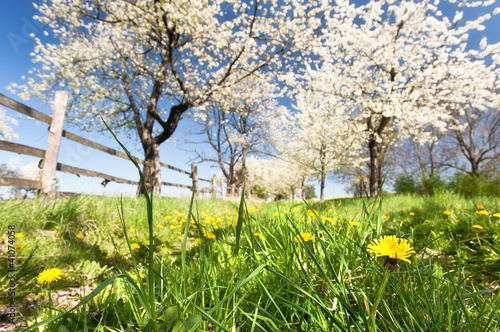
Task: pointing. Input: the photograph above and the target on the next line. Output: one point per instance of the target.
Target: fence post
(214, 186)
(194, 176)
(48, 183)
(222, 189)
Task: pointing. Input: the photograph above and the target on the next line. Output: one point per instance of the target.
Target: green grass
(248, 283)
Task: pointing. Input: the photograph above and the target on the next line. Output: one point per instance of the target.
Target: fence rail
(47, 184)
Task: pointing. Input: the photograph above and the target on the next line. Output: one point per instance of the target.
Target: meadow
(243, 266)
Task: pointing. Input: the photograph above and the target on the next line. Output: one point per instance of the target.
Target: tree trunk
(374, 166)
(474, 167)
(152, 168)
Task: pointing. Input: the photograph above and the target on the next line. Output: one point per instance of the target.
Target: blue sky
(16, 25)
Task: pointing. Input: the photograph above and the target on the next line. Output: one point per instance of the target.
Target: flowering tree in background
(479, 142)
(6, 131)
(318, 136)
(279, 177)
(234, 128)
(140, 65)
(401, 66)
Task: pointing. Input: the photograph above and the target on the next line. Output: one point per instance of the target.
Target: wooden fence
(49, 164)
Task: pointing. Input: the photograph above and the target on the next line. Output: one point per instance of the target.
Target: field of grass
(284, 267)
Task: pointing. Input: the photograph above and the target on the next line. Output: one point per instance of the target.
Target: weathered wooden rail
(49, 163)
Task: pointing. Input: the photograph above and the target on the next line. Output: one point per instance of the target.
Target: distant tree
(309, 192)
(233, 129)
(6, 131)
(478, 141)
(280, 178)
(316, 136)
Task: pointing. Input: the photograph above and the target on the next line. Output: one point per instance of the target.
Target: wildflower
(427, 220)
(197, 241)
(161, 226)
(168, 217)
(306, 236)
(329, 219)
(483, 213)
(3, 239)
(116, 250)
(477, 226)
(312, 212)
(131, 230)
(257, 234)
(172, 227)
(447, 212)
(180, 214)
(496, 215)
(19, 235)
(50, 275)
(392, 247)
(18, 246)
(135, 245)
(252, 209)
(142, 275)
(276, 214)
(209, 235)
(79, 235)
(384, 218)
(355, 223)
(146, 242)
(480, 207)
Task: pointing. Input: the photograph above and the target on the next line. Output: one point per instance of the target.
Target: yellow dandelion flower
(172, 227)
(168, 217)
(146, 242)
(477, 226)
(480, 207)
(18, 246)
(412, 214)
(116, 250)
(329, 219)
(180, 214)
(79, 235)
(135, 245)
(257, 234)
(384, 218)
(161, 226)
(209, 235)
(142, 275)
(198, 241)
(276, 214)
(50, 275)
(312, 212)
(496, 215)
(427, 220)
(19, 235)
(306, 236)
(355, 223)
(391, 247)
(3, 239)
(483, 213)
(447, 212)
(131, 230)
